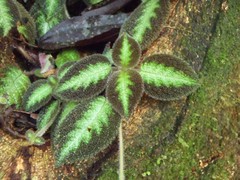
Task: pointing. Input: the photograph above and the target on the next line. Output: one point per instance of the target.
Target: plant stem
(121, 154)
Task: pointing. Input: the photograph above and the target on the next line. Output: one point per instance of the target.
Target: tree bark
(193, 138)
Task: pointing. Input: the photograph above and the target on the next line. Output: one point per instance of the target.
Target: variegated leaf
(37, 95)
(69, 55)
(126, 52)
(13, 85)
(48, 13)
(67, 108)
(26, 24)
(64, 69)
(88, 129)
(146, 21)
(166, 77)
(124, 91)
(8, 19)
(85, 79)
(47, 115)
(12, 12)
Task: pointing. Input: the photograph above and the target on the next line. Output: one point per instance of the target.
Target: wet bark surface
(193, 138)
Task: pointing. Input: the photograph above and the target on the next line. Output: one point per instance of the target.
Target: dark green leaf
(37, 95)
(146, 21)
(126, 52)
(85, 79)
(88, 129)
(124, 91)
(166, 77)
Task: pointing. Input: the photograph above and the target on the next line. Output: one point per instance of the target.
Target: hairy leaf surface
(47, 115)
(85, 79)
(37, 95)
(48, 13)
(167, 77)
(146, 21)
(67, 108)
(64, 69)
(88, 129)
(126, 52)
(12, 12)
(124, 91)
(13, 85)
(67, 56)
(81, 30)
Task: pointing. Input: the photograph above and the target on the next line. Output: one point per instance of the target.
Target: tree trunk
(193, 138)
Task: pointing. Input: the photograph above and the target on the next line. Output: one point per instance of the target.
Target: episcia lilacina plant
(162, 77)
(83, 105)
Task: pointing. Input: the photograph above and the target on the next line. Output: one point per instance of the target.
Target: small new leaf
(33, 138)
(70, 55)
(13, 85)
(124, 91)
(126, 52)
(48, 13)
(166, 77)
(146, 21)
(37, 95)
(88, 129)
(85, 79)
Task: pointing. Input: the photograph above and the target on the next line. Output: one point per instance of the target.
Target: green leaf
(7, 20)
(88, 129)
(47, 115)
(64, 69)
(124, 91)
(13, 84)
(84, 79)
(33, 138)
(92, 2)
(26, 24)
(12, 13)
(126, 52)
(146, 21)
(37, 95)
(70, 55)
(167, 77)
(48, 13)
(67, 108)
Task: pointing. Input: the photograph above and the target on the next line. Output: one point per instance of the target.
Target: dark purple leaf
(82, 31)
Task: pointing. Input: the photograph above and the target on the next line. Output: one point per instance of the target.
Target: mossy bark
(193, 138)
